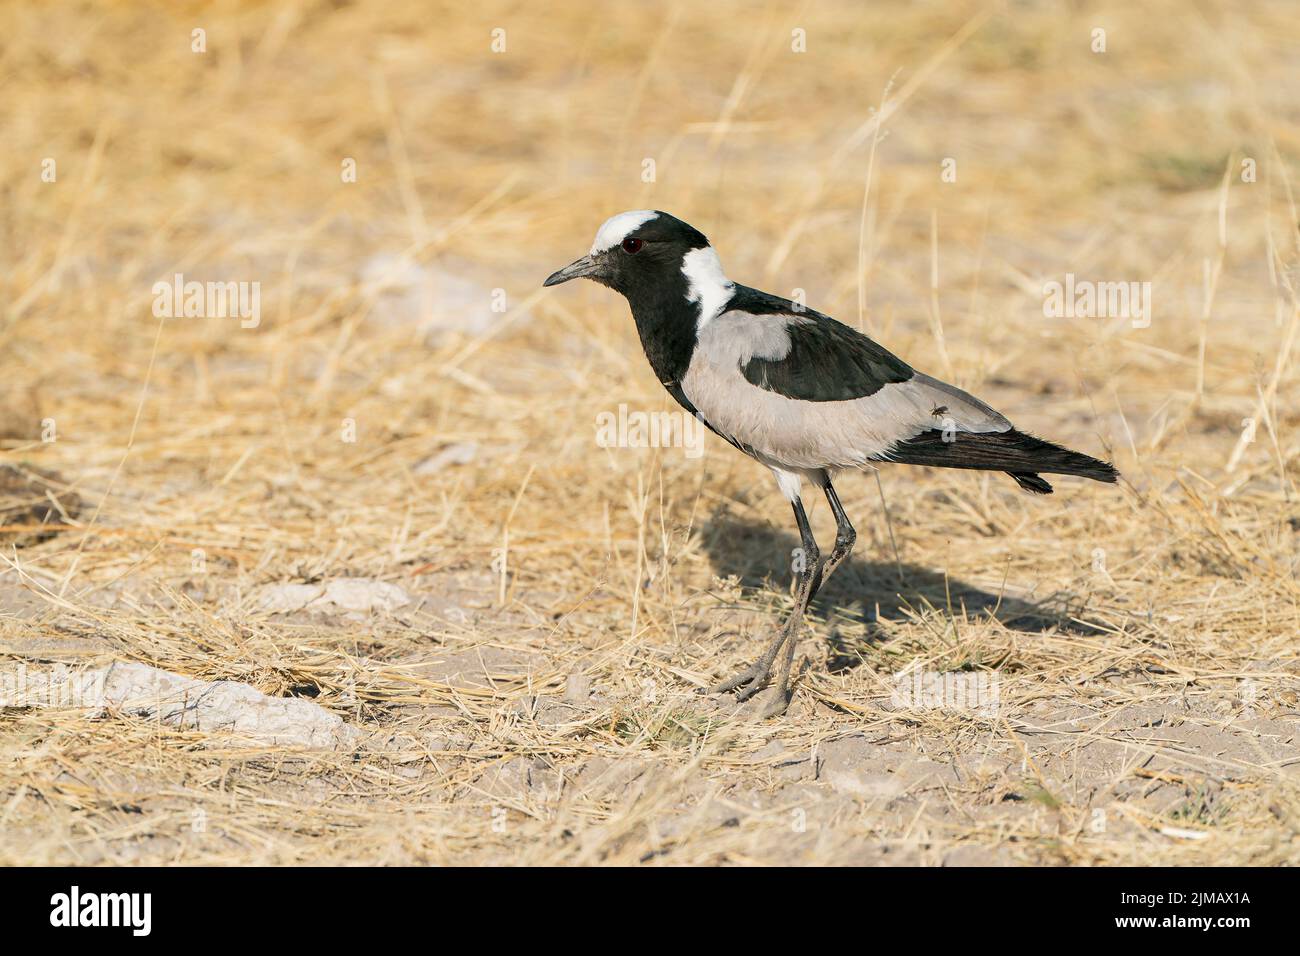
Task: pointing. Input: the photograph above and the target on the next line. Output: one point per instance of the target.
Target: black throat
(665, 321)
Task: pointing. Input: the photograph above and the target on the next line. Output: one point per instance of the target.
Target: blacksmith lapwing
(797, 391)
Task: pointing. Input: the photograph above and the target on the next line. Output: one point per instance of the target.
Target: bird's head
(638, 250)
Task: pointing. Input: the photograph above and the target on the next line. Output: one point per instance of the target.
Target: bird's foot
(750, 681)
(757, 675)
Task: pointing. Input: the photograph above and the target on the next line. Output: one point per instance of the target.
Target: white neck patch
(616, 228)
(706, 284)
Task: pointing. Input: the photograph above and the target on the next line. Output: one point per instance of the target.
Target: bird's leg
(781, 693)
(807, 575)
(845, 536)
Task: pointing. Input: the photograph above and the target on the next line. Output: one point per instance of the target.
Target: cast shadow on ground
(760, 556)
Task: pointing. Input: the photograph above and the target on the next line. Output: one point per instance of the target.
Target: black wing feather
(827, 362)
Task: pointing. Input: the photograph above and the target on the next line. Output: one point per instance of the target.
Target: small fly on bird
(799, 392)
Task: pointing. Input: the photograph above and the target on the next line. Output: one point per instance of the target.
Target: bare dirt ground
(386, 498)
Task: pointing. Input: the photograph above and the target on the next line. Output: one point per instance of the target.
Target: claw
(754, 686)
(746, 676)
(754, 677)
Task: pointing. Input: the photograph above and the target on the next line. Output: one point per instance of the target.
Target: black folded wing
(827, 361)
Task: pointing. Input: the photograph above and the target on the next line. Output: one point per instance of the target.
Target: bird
(799, 392)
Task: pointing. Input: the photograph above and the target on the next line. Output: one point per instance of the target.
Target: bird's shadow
(869, 589)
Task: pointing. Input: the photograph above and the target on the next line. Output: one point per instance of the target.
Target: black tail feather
(1031, 482)
(1020, 455)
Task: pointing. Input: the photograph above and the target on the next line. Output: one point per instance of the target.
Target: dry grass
(536, 704)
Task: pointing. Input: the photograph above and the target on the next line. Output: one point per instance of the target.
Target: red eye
(631, 245)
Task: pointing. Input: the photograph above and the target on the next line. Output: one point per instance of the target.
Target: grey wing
(952, 408)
